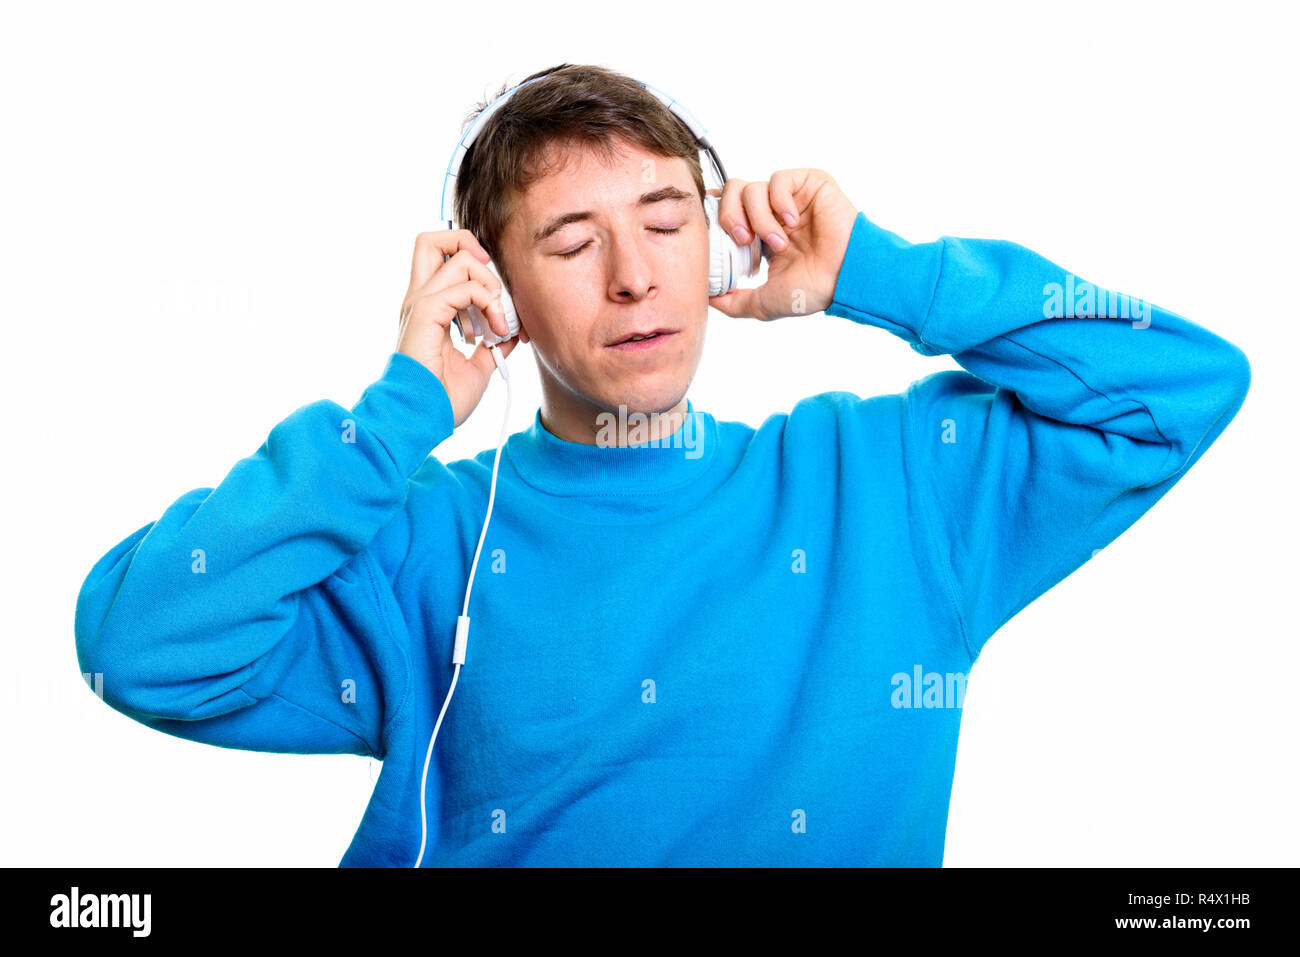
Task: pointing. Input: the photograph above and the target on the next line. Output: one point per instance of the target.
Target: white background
(208, 217)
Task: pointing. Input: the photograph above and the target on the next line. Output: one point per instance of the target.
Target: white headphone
(728, 261)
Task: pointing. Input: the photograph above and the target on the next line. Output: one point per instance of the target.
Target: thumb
(483, 363)
(739, 303)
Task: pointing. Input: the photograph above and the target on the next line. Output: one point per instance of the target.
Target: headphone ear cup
(508, 305)
(729, 262)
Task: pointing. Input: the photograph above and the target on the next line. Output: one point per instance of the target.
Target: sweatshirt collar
(571, 469)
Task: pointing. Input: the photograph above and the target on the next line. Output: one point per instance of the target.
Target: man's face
(623, 276)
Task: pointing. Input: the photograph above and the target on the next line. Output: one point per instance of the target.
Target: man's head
(587, 141)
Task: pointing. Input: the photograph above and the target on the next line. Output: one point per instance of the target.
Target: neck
(577, 419)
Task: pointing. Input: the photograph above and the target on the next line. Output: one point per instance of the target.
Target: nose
(631, 269)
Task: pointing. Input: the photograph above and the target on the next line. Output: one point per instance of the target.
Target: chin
(658, 397)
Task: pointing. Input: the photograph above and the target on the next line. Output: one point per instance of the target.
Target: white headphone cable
(462, 623)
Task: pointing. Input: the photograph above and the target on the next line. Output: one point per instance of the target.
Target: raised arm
(1079, 410)
(252, 615)
(256, 615)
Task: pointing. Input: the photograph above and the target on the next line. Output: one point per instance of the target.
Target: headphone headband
(458, 154)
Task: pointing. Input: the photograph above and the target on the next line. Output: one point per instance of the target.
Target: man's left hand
(805, 221)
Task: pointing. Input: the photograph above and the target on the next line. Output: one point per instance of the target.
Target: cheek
(562, 291)
(543, 309)
(698, 269)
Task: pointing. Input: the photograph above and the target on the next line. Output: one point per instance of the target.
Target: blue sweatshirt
(747, 647)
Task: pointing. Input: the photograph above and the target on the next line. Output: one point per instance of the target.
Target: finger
(433, 247)
(496, 317)
(441, 305)
(731, 214)
(762, 220)
(496, 314)
(461, 266)
(780, 196)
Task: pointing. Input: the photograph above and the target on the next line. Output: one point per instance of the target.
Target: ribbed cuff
(408, 410)
(885, 281)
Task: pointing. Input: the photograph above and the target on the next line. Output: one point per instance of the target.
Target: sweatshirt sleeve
(1079, 409)
(252, 615)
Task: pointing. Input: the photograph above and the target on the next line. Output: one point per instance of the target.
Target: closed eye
(573, 252)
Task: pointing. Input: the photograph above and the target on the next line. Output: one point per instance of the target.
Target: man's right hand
(448, 272)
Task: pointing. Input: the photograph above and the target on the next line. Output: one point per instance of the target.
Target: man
(745, 648)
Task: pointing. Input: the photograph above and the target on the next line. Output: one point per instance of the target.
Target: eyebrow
(669, 193)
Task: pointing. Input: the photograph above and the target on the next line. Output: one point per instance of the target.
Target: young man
(748, 648)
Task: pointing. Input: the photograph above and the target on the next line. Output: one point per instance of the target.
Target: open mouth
(643, 340)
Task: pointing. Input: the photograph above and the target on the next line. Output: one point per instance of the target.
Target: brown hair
(569, 104)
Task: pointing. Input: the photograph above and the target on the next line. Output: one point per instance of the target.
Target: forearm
(1068, 349)
(182, 614)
